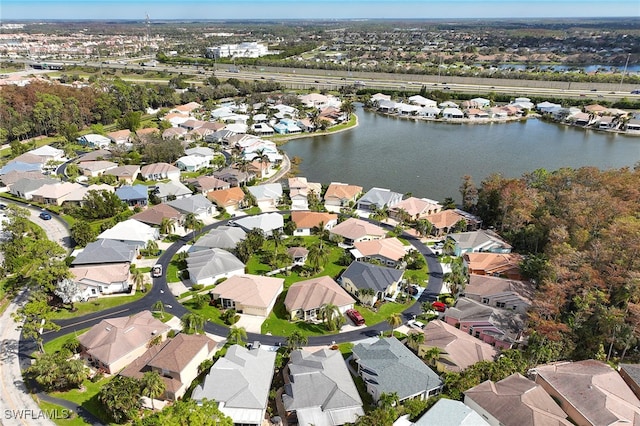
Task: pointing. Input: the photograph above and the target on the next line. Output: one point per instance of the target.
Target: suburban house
(320, 390)
(126, 174)
(96, 168)
(55, 193)
(12, 177)
(354, 230)
(388, 366)
(306, 221)
(370, 283)
(201, 151)
(341, 194)
(232, 198)
(267, 196)
(299, 190)
(176, 360)
(388, 251)
(267, 222)
(105, 251)
(305, 299)
(239, 382)
(498, 327)
(136, 195)
(298, 254)
(445, 221)
(154, 215)
(120, 137)
(482, 240)
(222, 237)
(590, 392)
(48, 153)
(515, 401)
(94, 141)
(630, 373)
(422, 101)
(207, 184)
(18, 166)
(233, 176)
(447, 412)
(210, 265)
(131, 232)
(97, 155)
(458, 350)
(378, 198)
(171, 190)
(415, 208)
(96, 280)
(495, 264)
(115, 343)
(197, 204)
(160, 171)
(502, 293)
(192, 163)
(249, 294)
(26, 187)
(77, 196)
(452, 113)
(174, 132)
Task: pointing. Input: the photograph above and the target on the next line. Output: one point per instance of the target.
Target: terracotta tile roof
(342, 191)
(314, 293)
(250, 290)
(356, 228)
(154, 214)
(180, 350)
(307, 220)
(444, 219)
(226, 197)
(390, 248)
(110, 273)
(493, 263)
(417, 206)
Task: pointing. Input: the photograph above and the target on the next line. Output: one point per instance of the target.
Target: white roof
(131, 230)
(47, 151)
(267, 222)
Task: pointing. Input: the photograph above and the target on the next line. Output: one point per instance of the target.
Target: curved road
(160, 291)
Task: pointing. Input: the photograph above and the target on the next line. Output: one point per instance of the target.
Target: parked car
(415, 324)
(156, 271)
(45, 216)
(439, 306)
(3, 206)
(355, 317)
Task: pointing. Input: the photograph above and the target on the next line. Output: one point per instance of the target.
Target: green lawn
(211, 313)
(278, 322)
(95, 305)
(173, 271)
(87, 398)
(384, 311)
(57, 413)
(56, 344)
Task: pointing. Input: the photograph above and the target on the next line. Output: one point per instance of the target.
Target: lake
(428, 159)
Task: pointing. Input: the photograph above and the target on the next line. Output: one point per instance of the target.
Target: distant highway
(333, 80)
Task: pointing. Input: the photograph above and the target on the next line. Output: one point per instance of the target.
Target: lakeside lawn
(99, 304)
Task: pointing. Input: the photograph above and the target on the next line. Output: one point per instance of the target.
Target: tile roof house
(267, 222)
(25, 187)
(176, 360)
(389, 251)
(305, 221)
(94, 140)
(155, 214)
(239, 382)
(515, 401)
(114, 343)
(299, 190)
(77, 196)
(96, 168)
(495, 264)
(319, 388)
(160, 171)
(125, 174)
(479, 241)
(360, 279)
(445, 221)
(234, 176)
(97, 155)
(105, 251)
(447, 412)
(99, 279)
(377, 198)
(120, 137)
(136, 195)
(208, 266)
(197, 204)
(12, 177)
(298, 254)
(416, 208)
(458, 349)
(249, 294)
(590, 392)
(223, 237)
(501, 328)
(340, 194)
(267, 195)
(354, 230)
(228, 198)
(500, 292)
(304, 299)
(207, 184)
(387, 366)
(630, 373)
(171, 189)
(131, 232)
(55, 193)
(174, 132)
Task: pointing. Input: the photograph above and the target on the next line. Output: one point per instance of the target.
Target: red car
(439, 306)
(355, 317)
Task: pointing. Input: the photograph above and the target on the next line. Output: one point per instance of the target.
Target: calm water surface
(428, 159)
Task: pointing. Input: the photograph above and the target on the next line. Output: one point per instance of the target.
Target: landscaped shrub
(197, 287)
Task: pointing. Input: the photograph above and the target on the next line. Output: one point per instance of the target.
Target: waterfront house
(306, 221)
(262, 129)
(208, 266)
(452, 113)
(458, 350)
(231, 198)
(223, 237)
(387, 106)
(547, 107)
(239, 382)
(479, 241)
(266, 222)
(387, 366)
(353, 230)
(114, 343)
(320, 390)
(502, 293)
(370, 283)
(126, 174)
(249, 294)
(429, 112)
(590, 392)
(378, 198)
(422, 101)
(160, 171)
(341, 194)
(388, 251)
(286, 126)
(305, 299)
(136, 195)
(495, 264)
(416, 208)
(515, 401)
(376, 98)
(446, 221)
(132, 233)
(154, 215)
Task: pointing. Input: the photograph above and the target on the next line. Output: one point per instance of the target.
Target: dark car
(45, 216)
(3, 206)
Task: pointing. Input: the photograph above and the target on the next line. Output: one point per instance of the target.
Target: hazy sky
(293, 9)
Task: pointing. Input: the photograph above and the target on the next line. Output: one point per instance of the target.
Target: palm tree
(321, 231)
(276, 236)
(432, 355)
(449, 246)
(158, 306)
(458, 277)
(318, 256)
(237, 335)
(152, 247)
(348, 108)
(380, 213)
(330, 315)
(424, 227)
(192, 323)
(194, 224)
(262, 158)
(296, 340)
(152, 386)
(167, 226)
(364, 292)
(414, 340)
(403, 217)
(138, 278)
(395, 321)
(388, 400)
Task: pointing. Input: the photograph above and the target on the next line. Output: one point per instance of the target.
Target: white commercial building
(243, 50)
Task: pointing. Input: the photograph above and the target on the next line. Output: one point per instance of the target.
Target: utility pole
(624, 71)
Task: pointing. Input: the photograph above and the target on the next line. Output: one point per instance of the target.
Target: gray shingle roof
(380, 197)
(210, 263)
(367, 275)
(105, 251)
(396, 368)
(195, 204)
(224, 237)
(447, 412)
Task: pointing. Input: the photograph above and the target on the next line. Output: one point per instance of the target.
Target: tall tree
(194, 224)
(120, 398)
(152, 386)
(35, 317)
(469, 193)
(318, 256)
(395, 321)
(192, 323)
(237, 335)
(296, 340)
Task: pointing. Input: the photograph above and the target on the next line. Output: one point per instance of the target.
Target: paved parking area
(251, 323)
